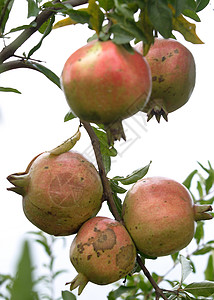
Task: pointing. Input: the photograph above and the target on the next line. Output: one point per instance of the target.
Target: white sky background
(33, 122)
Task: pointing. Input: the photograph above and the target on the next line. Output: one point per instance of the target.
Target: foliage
(125, 22)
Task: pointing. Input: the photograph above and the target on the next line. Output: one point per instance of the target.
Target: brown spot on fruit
(124, 256)
(105, 240)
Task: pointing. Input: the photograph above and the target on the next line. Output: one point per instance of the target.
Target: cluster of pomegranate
(63, 192)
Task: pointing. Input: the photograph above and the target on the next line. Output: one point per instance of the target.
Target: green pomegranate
(102, 252)
(159, 214)
(104, 84)
(173, 77)
(60, 192)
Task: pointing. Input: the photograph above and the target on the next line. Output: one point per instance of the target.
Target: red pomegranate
(60, 192)
(102, 252)
(173, 77)
(159, 214)
(104, 84)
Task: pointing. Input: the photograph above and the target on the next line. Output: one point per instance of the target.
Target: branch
(158, 291)
(108, 196)
(106, 187)
(9, 50)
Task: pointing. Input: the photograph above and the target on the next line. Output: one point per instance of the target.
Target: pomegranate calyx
(115, 132)
(20, 182)
(79, 281)
(158, 110)
(202, 212)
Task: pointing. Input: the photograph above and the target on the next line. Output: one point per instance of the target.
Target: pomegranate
(173, 77)
(60, 192)
(102, 252)
(159, 214)
(104, 84)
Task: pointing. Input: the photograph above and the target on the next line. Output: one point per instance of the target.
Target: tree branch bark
(109, 198)
(9, 50)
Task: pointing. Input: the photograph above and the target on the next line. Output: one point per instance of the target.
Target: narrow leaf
(201, 4)
(33, 8)
(186, 267)
(120, 291)
(5, 9)
(160, 16)
(204, 288)
(106, 4)
(187, 182)
(23, 284)
(96, 16)
(47, 31)
(47, 72)
(69, 116)
(66, 295)
(209, 271)
(133, 177)
(7, 89)
(199, 232)
(64, 22)
(187, 29)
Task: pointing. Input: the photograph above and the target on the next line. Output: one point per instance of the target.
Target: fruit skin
(173, 76)
(104, 83)
(159, 214)
(60, 192)
(102, 252)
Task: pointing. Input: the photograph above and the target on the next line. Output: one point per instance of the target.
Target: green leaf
(160, 16)
(201, 4)
(106, 4)
(118, 203)
(33, 8)
(209, 181)
(5, 9)
(33, 24)
(209, 271)
(128, 26)
(7, 89)
(47, 72)
(116, 188)
(187, 29)
(200, 189)
(199, 232)
(187, 182)
(47, 31)
(174, 256)
(204, 288)
(186, 267)
(205, 249)
(79, 16)
(66, 295)
(96, 16)
(133, 177)
(121, 36)
(69, 116)
(22, 287)
(191, 14)
(45, 246)
(120, 291)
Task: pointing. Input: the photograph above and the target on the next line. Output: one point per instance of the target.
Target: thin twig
(9, 50)
(158, 291)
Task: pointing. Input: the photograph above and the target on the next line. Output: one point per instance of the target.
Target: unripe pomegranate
(173, 76)
(159, 214)
(104, 84)
(102, 252)
(60, 192)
